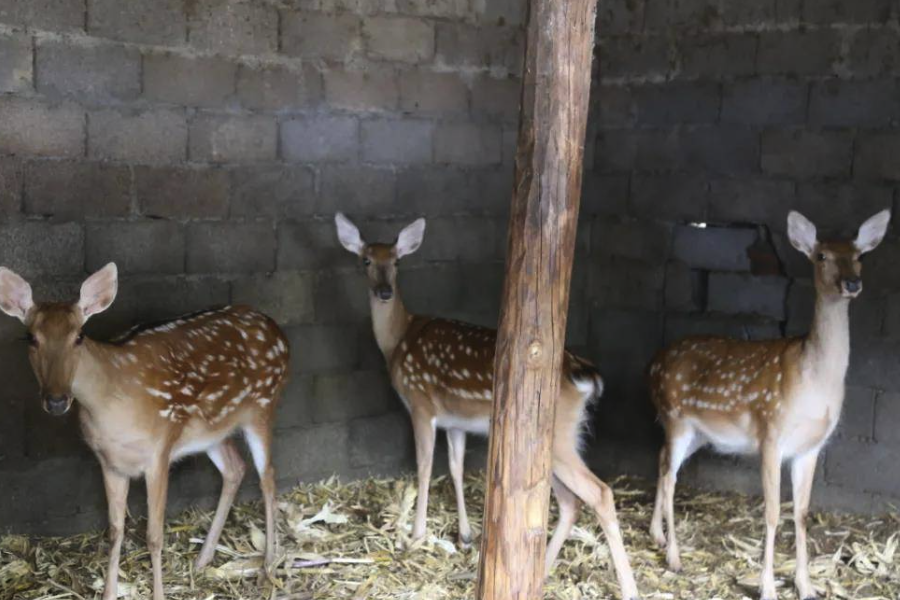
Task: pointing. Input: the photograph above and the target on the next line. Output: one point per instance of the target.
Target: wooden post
(531, 336)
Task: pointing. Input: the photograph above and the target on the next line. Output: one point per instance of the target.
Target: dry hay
(349, 542)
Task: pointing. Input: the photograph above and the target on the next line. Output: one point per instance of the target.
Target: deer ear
(872, 232)
(15, 295)
(410, 238)
(802, 233)
(348, 234)
(99, 290)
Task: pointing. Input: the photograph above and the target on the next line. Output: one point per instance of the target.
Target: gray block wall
(729, 114)
(204, 145)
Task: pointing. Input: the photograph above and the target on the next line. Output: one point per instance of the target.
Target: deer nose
(853, 286)
(384, 292)
(57, 405)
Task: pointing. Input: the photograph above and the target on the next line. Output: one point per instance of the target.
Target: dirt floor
(350, 541)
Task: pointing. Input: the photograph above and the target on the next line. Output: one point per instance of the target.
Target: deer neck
(390, 322)
(827, 350)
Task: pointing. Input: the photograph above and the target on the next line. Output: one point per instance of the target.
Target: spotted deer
(443, 372)
(156, 395)
(778, 398)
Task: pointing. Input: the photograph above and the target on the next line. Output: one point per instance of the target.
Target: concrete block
(636, 56)
(31, 128)
(732, 293)
(72, 190)
(876, 156)
(460, 238)
(436, 8)
(278, 88)
(144, 136)
(887, 415)
(12, 178)
(684, 288)
(427, 92)
(764, 102)
(624, 335)
(799, 53)
(874, 52)
(399, 39)
(36, 248)
(493, 190)
(357, 190)
(272, 191)
(286, 296)
(298, 456)
(136, 246)
(713, 248)
(344, 396)
(342, 296)
(882, 472)
(669, 197)
(380, 440)
(297, 399)
(627, 284)
(873, 363)
(336, 348)
(230, 247)
(754, 200)
(397, 141)
(499, 49)
(467, 144)
(800, 303)
(175, 192)
(320, 138)
(310, 245)
(680, 326)
(854, 103)
(604, 194)
(754, 12)
(717, 56)
(148, 299)
(217, 138)
(372, 90)
(676, 103)
(189, 81)
(858, 414)
(497, 98)
(421, 189)
(864, 12)
(612, 106)
(805, 154)
(434, 290)
(233, 27)
(16, 63)
(101, 73)
(161, 23)
(840, 208)
(52, 15)
(620, 17)
(646, 241)
(319, 35)
(719, 149)
(670, 13)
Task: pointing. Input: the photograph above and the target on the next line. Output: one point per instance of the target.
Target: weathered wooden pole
(531, 337)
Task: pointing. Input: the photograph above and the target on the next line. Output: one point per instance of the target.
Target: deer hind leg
(157, 477)
(423, 431)
(656, 523)
(259, 440)
(116, 497)
(568, 514)
(681, 441)
(230, 464)
(803, 469)
(574, 474)
(771, 480)
(456, 448)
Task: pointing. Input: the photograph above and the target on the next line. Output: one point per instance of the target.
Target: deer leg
(771, 480)
(157, 477)
(803, 469)
(116, 498)
(456, 447)
(230, 464)
(574, 474)
(681, 442)
(423, 430)
(259, 439)
(656, 523)
(568, 514)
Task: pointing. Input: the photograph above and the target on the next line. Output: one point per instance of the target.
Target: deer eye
(821, 256)
(80, 339)
(30, 340)
(367, 262)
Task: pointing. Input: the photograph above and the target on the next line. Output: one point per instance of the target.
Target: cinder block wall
(730, 113)
(204, 145)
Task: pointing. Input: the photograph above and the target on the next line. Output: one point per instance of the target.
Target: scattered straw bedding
(347, 541)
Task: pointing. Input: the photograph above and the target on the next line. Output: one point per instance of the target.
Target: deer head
(838, 270)
(380, 260)
(55, 340)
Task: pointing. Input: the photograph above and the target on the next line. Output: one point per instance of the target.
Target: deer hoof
(465, 541)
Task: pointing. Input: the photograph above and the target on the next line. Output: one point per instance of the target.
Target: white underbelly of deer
(476, 425)
(728, 437)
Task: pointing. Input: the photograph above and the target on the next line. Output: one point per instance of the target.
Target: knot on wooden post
(535, 354)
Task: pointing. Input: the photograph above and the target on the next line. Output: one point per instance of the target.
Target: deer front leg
(423, 430)
(116, 498)
(157, 477)
(802, 471)
(456, 446)
(771, 480)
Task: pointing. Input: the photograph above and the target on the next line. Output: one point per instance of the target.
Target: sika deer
(156, 395)
(443, 372)
(779, 398)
